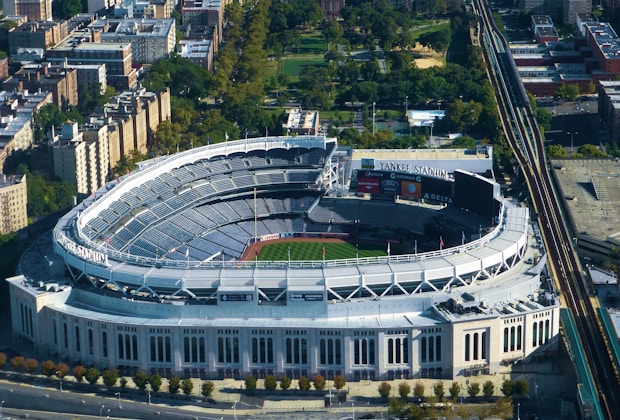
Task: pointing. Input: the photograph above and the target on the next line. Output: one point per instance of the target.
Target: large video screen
(405, 185)
(475, 193)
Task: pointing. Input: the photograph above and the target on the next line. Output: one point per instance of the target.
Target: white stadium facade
(147, 275)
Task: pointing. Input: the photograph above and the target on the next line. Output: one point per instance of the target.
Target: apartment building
(37, 34)
(199, 52)
(85, 47)
(60, 81)
(32, 9)
(151, 39)
(16, 113)
(80, 158)
(13, 203)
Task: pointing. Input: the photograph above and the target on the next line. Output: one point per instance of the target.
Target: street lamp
(149, 391)
(234, 407)
(518, 411)
(373, 118)
(572, 134)
(101, 412)
(353, 408)
(1, 411)
(118, 394)
(59, 374)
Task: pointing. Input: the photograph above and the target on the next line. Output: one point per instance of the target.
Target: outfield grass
(313, 251)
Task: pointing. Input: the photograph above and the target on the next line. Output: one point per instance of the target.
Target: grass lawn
(292, 66)
(313, 251)
(312, 44)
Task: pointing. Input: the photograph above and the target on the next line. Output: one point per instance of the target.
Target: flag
(266, 132)
(256, 252)
(415, 246)
(118, 180)
(129, 247)
(172, 250)
(127, 171)
(492, 221)
(441, 242)
(226, 136)
(187, 253)
(357, 251)
(107, 240)
(289, 253)
(388, 248)
(323, 251)
(462, 237)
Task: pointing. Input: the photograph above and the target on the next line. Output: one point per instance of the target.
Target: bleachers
(166, 211)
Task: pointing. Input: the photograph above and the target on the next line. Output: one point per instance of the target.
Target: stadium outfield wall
(456, 311)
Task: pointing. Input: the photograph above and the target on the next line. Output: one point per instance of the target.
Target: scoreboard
(405, 185)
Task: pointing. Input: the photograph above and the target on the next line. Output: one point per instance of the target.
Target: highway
(525, 138)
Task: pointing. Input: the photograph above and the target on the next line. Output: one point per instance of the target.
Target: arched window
(467, 338)
(475, 346)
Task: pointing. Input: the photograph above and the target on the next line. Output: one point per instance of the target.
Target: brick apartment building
(60, 81)
(13, 203)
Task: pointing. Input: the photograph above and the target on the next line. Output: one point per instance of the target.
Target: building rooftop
(542, 20)
(606, 38)
(6, 181)
(591, 188)
(142, 27)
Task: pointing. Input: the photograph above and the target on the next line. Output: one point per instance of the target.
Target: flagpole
(255, 218)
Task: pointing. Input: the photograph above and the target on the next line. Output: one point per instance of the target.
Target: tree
(66, 9)
(271, 383)
(48, 368)
(418, 390)
(591, 151)
(339, 382)
(78, 372)
(455, 390)
(488, 389)
(304, 383)
(250, 382)
(474, 389)
(384, 390)
(319, 382)
(30, 365)
(507, 387)
(17, 363)
(2, 360)
(285, 382)
(140, 379)
(503, 408)
(92, 375)
(187, 385)
(521, 387)
(396, 406)
(62, 369)
(156, 382)
(174, 384)
(403, 390)
(438, 390)
(556, 151)
(207, 388)
(110, 377)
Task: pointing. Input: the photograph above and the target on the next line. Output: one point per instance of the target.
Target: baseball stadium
(290, 256)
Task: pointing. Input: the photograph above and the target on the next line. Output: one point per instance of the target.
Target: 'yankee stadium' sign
(416, 169)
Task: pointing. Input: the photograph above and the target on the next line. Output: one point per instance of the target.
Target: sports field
(313, 250)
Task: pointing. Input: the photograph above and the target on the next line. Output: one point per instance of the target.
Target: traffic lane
(28, 398)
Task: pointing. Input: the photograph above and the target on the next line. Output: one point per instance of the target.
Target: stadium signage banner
(237, 297)
(306, 297)
(83, 252)
(270, 237)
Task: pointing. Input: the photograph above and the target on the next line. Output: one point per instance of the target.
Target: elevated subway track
(527, 142)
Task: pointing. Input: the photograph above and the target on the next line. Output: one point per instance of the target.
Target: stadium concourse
(146, 274)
